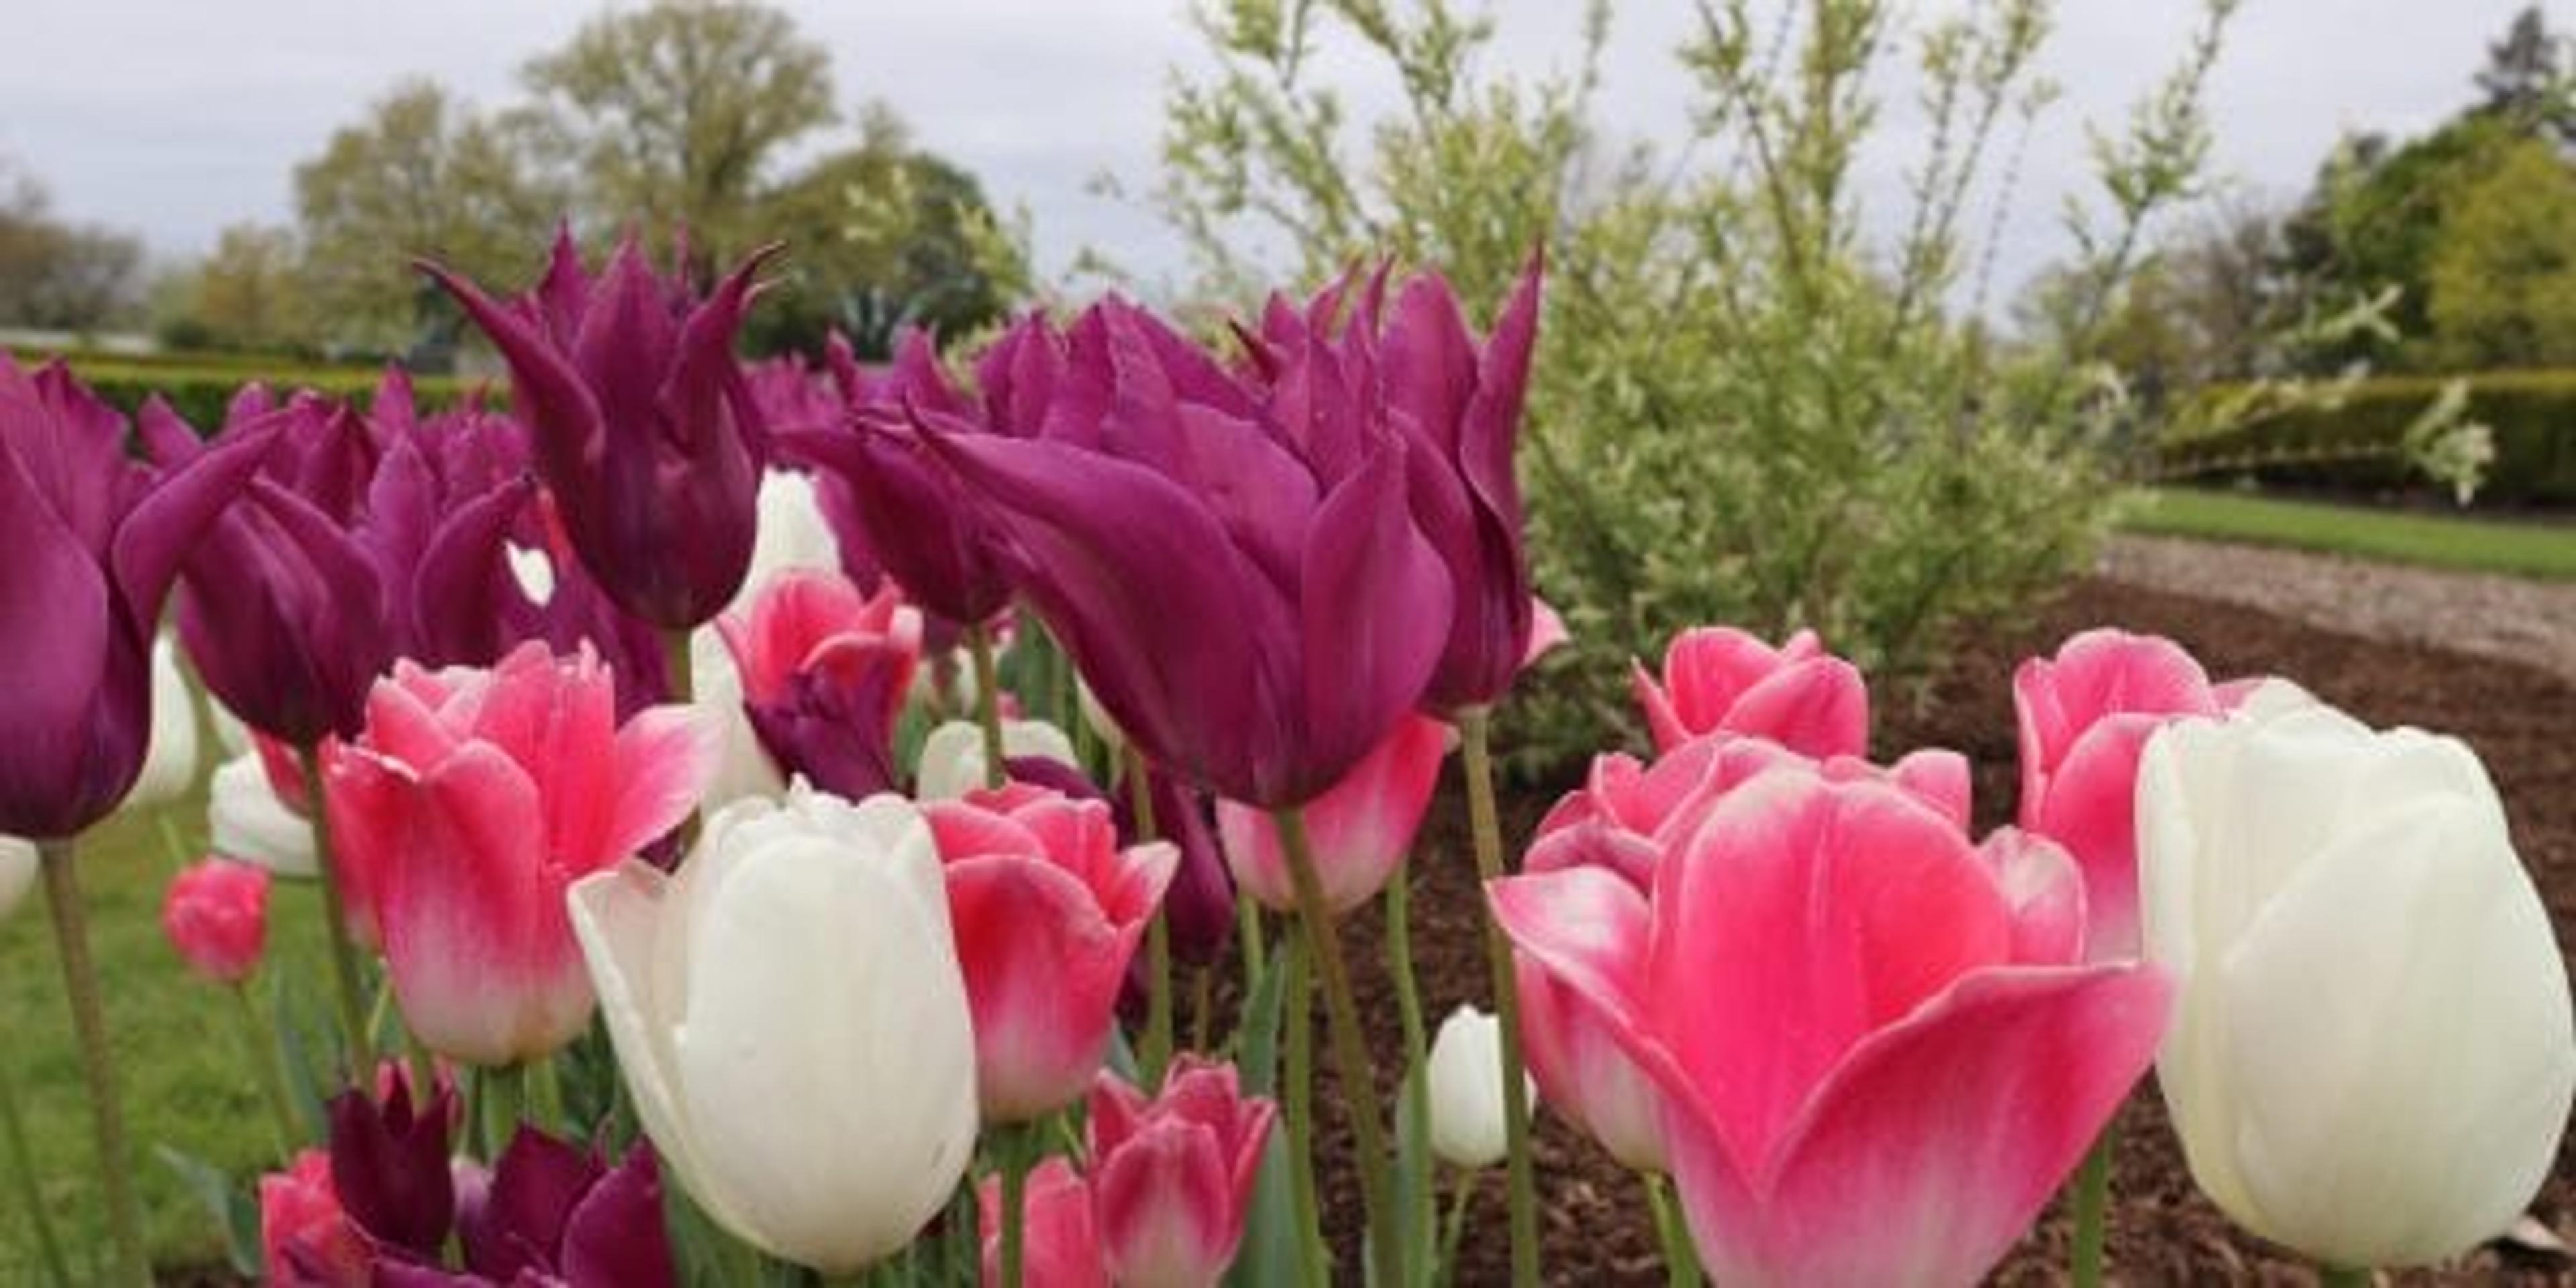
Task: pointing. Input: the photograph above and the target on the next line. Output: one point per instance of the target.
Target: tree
(2503, 280)
(422, 175)
(675, 112)
(248, 294)
(59, 275)
(2526, 79)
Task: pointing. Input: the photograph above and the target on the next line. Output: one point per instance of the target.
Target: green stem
(679, 674)
(547, 1096)
(424, 1067)
(1157, 1052)
(1350, 1049)
(2343, 1277)
(1475, 729)
(260, 1044)
(98, 1058)
(1416, 1123)
(988, 702)
(1298, 1013)
(1248, 937)
(1456, 1228)
(344, 957)
(22, 1166)
(501, 1106)
(1015, 1208)
(2092, 1201)
(1681, 1260)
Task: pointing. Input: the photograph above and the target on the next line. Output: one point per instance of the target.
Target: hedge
(2531, 413)
(200, 387)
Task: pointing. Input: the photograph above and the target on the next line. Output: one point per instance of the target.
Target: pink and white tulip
(216, 915)
(305, 1237)
(1720, 679)
(1047, 911)
(470, 801)
(1060, 1245)
(1879, 1049)
(1172, 1178)
(2083, 717)
(823, 671)
(1360, 828)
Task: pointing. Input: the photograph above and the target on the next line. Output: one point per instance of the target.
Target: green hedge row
(2531, 413)
(200, 391)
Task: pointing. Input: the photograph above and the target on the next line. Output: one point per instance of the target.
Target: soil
(1594, 1220)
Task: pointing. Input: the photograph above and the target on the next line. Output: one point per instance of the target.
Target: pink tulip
(304, 1236)
(1172, 1178)
(217, 917)
(1060, 1245)
(1047, 911)
(1879, 1050)
(1717, 678)
(1360, 827)
(2084, 718)
(825, 671)
(469, 802)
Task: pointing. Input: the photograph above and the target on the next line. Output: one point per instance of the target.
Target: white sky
(177, 117)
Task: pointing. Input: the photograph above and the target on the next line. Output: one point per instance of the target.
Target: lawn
(2527, 549)
(178, 1046)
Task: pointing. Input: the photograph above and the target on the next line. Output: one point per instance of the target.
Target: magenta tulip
(1718, 679)
(470, 801)
(1360, 828)
(389, 1164)
(1172, 1178)
(2084, 718)
(825, 670)
(1047, 911)
(1060, 1242)
(1879, 1048)
(1273, 520)
(93, 541)
(216, 915)
(553, 1213)
(645, 428)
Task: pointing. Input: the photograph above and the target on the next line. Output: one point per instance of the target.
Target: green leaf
(235, 1211)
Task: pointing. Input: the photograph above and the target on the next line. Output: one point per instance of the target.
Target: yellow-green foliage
(200, 386)
(2358, 441)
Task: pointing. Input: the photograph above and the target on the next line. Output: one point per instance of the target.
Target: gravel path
(2517, 619)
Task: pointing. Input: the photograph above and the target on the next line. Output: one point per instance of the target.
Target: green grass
(2479, 545)
(177, 1043)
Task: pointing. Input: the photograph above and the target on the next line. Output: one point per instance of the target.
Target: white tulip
(170, 759)
(743, 766)
(790, 1016)
(792, 534)
(1465, 1088)
(533, 569)
(2372, 1054)
(952, 757)
(17, 872)
(231, 735)
(248, 821)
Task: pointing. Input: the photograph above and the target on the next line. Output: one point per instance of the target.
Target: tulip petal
(1375, 617)
(665, 756)
(56, 621)
(1043, 968)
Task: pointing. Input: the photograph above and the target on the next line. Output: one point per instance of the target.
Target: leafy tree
(248, 294)
(674, 113)
(2527, 77)
(2503, 280)
(59, 275)
(422, 175)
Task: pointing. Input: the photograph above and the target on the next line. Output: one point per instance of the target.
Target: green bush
(2358, 441)
(200, 386)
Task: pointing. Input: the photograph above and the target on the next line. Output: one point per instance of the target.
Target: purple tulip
(92, 541)
(555, 1213)
(1234, 568)
(646, 430)
(389, 1164)
(1199, 903)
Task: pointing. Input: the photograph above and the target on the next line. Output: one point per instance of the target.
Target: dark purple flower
(1199, 903)
(389, 1164)
(1235, 568)
(645, 427)
(92, 541)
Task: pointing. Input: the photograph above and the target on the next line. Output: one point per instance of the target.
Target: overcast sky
(176, 117)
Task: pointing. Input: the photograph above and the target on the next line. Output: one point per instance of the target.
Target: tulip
(217, 917)
(170, 760)
(1199, 905)
(793, 534)
(553, 1212)
(952, 757)
(17, 872)
(645, 428)
(823, 672)
(304, 1236)
(1271, 520)
(94, 541)
(389, 1164)
(1047, 911)
(2372, 1054)
(1879, 1049)
(1719, 679)
(1464, 1076)
(2083, 717)
(1061, 1242)
(1172, 1178)
(826, 1125)
(1360, 828)
(470, 801)
(250, 823)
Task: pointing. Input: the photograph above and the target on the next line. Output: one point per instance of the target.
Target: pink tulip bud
(1172, 1178)
(1360, 828)
(304, 1236)
(1060, 1245)
(217, 917)
(1717, 678)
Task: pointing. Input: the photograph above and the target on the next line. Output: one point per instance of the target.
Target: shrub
(2359, 440)
(200, 386)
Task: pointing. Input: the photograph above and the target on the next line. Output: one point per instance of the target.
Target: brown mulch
(1594, 1220)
